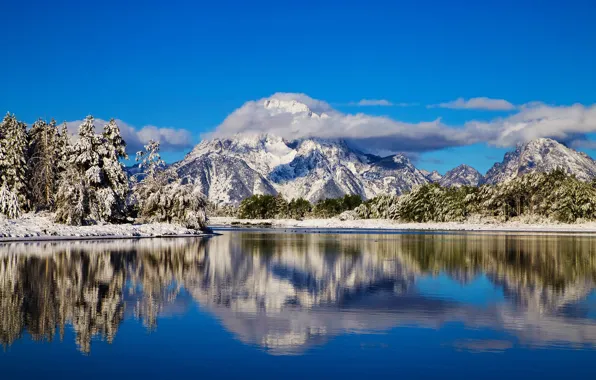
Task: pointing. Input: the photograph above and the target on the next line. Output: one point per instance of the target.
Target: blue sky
(188, 65)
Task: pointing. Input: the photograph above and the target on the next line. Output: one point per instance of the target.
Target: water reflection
(288, 292)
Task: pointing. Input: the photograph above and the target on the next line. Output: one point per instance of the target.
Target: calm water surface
(273, 305)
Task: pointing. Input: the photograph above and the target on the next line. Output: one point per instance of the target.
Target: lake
(274, 304)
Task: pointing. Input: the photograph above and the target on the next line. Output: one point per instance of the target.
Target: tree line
(556, 196)
(277, 207)
(84, 181)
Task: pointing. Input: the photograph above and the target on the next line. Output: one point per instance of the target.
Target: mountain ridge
(229, 169)
(541, 155)
(312, 168)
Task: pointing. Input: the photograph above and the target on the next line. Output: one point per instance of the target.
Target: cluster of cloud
(380, 103)
(171, 140)
(481, 103)
(379, 134)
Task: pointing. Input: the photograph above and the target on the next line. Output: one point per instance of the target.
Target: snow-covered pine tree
(85, 195)
(281, 206)
(2, 150)
(116, 180)
(162, 197)
(80, 177)
(150, 161)
(14, 163)
(9, 203)
(63, 147)
(111, 132)
(42, 164)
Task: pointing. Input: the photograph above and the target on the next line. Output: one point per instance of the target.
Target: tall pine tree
(76, 203)
(62, 149)
(13, 166)
(94, 186)
(43, 164)
(115, 178)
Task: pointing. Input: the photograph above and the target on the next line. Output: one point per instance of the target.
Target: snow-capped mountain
(463, 175)
(541, 155)
(228, 170)
(433, 176)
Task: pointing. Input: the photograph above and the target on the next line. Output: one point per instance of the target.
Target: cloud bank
(380, 135)
(482, 103)
(171, 140)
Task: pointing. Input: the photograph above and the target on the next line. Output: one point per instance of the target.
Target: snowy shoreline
(41, 228)
(388, 225)
(32, 227)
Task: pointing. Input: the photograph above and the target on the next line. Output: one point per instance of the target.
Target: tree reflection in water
(286, 292)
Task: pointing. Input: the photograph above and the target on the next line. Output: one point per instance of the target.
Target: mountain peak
(541, 155)
(462, 175)
(227, 169)
(433, 176)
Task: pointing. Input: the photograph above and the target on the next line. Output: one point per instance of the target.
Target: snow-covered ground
(36, 226)
(383, 224)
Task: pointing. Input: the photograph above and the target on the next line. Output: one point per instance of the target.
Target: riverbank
(42, 227)
(383, 224)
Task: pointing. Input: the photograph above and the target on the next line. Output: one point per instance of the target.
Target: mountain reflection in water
(289, 292)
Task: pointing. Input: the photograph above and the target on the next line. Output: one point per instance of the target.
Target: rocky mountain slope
(463, 175)
(541, 155)
(433, 176)
(228, 170)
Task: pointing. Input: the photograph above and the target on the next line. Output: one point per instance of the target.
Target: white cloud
(534, 120)
(481, 103)
(170, 139)
(370, 133)
(383, 134)
(374, 102)
(380, 103)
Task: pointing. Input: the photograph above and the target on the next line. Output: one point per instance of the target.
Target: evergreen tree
(161, 196)
(150, 162)
(281, 206)
(111, 132)
(93, 187)
(80, 178)
(62, 149)
(14, 163)
(43, 164)
(115, 176)
(298, 208)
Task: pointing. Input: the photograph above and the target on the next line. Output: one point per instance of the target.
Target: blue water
(274, 305)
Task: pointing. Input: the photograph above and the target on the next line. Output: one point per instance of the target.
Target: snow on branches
(162, 197)
(85, 182)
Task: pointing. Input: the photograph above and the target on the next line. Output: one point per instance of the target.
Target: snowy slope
(433, 176)
(393, 175)
(228, 170)
(541, 155)
(463, 175)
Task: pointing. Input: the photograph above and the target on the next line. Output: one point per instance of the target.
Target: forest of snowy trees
(555, 196)
(84, 182)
